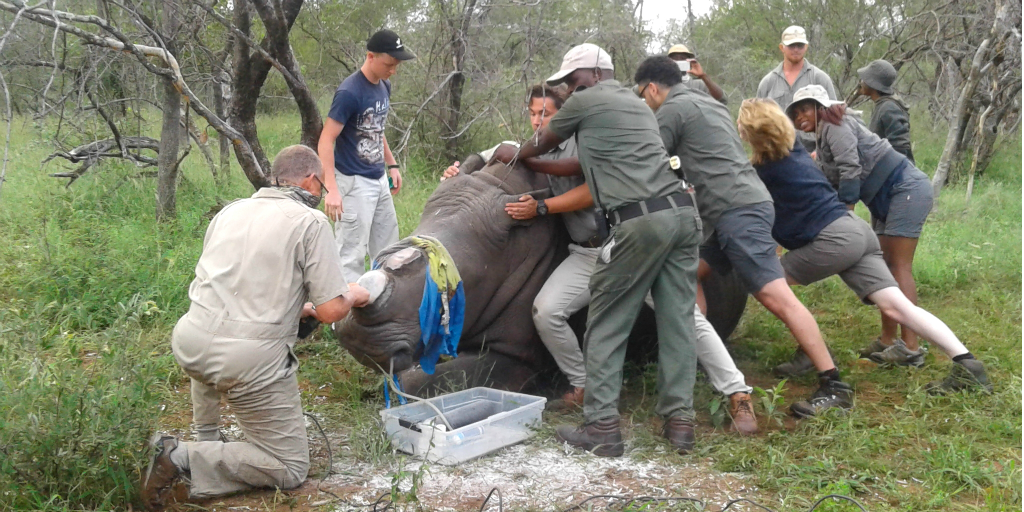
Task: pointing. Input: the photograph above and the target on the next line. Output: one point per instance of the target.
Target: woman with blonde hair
(824, 238)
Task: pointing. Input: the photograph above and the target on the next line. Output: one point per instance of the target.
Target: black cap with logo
(386, 41)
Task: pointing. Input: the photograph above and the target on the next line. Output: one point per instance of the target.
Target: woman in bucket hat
(890, 119)
(825, 239)
(863, 167)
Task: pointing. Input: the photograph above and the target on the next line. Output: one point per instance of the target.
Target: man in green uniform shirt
(737, 208)
(652, 246)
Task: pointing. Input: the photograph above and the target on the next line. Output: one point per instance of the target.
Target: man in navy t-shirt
(355, 156)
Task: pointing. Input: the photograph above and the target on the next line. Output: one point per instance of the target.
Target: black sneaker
(967, 374)
(831, 394)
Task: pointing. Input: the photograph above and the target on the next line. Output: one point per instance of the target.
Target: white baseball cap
(584, 56)
(794, 34)
(812, 92)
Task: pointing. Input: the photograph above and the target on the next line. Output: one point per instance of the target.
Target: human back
(257, 258)
(618, 143)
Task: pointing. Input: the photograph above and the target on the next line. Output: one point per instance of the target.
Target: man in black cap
(355, 155)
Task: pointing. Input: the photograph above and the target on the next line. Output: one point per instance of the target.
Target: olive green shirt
(581, 224)
(263, 258)
(700, 131)
(619, 146)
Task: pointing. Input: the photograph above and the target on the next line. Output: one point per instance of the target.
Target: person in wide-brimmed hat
(825, 239)
(681, 54)
(890, 119)
(863, 167)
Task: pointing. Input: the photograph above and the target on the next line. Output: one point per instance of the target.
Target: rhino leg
(471, 370)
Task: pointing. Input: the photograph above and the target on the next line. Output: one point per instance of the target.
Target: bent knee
(294, 476)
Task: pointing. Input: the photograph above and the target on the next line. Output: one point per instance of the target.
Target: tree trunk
(221, 99)
(249, 74)
(458, 81)
(956, 124)
(170, 131)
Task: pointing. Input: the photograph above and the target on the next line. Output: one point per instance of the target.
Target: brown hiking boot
(162, 483)
(679, 432)
(573, 399)
(741, 409)
(602, 437)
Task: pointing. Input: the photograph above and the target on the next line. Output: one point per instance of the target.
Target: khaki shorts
(847, 247)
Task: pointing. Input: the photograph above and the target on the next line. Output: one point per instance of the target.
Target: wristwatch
(542, 209)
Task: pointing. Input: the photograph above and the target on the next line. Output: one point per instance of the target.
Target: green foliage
(77, 414)
(90, 286)
(772, 401)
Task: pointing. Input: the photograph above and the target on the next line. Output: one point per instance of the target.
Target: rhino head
(502, 262)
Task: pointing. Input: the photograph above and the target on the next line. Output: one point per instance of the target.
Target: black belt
(634, 210)
(594, 242)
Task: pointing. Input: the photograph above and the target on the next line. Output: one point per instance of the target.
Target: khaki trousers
(368, 224)
(658, 253)
(258, 379)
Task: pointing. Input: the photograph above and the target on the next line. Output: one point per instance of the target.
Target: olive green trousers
(656, 252)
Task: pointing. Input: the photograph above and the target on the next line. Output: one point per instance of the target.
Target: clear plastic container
(483, 419)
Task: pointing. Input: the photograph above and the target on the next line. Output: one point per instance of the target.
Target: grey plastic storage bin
(483, 419)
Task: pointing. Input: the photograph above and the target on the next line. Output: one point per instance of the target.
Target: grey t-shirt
(700, 131)
(580, 224)
(775, 86)
(620, 149)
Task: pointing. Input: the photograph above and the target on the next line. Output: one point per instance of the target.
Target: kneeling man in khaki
(263, 258)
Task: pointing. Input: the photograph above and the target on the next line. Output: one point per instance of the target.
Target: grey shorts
(846, 247)
(911, 203)
(743, 241)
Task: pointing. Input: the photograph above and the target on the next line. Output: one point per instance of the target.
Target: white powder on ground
(539, 477)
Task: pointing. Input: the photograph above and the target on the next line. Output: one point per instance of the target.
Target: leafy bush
(77, 415)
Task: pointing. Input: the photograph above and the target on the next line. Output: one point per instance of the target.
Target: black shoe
(831, 394)
(163, 482)
(679, 432)
(602, 437)
(800, 365)
(967, 374)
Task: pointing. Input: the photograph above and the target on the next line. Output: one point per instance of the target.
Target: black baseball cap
(386, 41)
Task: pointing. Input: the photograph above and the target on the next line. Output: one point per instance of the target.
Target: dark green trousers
(657, 253)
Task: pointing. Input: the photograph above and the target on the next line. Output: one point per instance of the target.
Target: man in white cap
(794, 71)
(691, 68)
(651, 246)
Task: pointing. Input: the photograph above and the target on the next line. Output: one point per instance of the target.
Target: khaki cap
(679, 48)
(584, 56)
(794, 34)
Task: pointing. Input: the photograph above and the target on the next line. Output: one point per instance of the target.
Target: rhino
(503, 264)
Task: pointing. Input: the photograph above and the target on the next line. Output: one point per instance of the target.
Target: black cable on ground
(599, 496)
(730, 503)
(837, 497)
(501, 505)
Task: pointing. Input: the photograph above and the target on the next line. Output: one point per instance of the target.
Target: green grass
(90, 286)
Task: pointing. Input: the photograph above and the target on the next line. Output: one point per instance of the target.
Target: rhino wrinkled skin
(503, 264)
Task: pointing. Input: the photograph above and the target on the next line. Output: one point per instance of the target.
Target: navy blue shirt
(362, 107)
(804, 200)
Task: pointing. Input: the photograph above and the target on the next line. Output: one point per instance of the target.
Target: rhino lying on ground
(503, 263)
